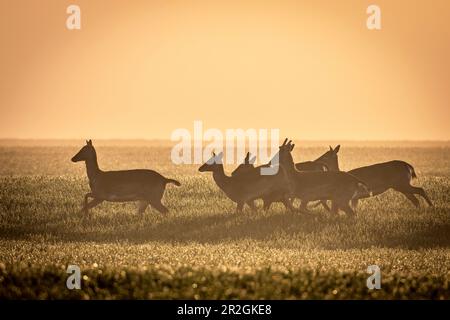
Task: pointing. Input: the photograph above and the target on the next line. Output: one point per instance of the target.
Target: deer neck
(289, 168)
(332, 165)
(92, 168)
(221, 179)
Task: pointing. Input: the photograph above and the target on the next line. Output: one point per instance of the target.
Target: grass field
(201, 248)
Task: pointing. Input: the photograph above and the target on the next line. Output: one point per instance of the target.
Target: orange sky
(141, 69)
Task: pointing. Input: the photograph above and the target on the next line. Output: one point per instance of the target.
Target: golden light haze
(141, 69)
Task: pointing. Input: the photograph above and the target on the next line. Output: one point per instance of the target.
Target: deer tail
(318, 203)
(175, 182)
(412, 172)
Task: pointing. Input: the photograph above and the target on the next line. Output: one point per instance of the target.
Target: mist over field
(202, 248)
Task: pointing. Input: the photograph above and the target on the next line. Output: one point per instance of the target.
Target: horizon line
(169, 140)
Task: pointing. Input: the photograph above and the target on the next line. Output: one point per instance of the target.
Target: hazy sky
(141, 69)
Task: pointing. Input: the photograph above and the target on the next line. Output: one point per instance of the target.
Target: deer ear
(89, 142)
(292, 147)
(252, 160)
(336, 150)
(246, 158)
(331, 149)
(220, 156)
(285, 140)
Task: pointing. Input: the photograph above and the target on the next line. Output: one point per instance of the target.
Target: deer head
(86, 153)
(245, 167)
(213, 164)
(285, 156)
(330, 158)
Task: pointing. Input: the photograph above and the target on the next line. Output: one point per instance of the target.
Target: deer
(338, 186)
(325, 162)
(247, 171)
(396, 175)
(380, 177)
(145, 186)
(244, 189)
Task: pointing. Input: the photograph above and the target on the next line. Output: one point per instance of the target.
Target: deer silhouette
(394, 174)
(323, 163)
(337, 186)
(247, 172)
(243, 189)
(326, 162)
(145, 186)
(380, 177)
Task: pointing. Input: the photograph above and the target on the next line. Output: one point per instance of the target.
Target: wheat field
(202, 249)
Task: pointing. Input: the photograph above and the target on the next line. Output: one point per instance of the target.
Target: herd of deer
(318, 180)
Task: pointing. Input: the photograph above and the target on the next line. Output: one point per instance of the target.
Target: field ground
(201, 248)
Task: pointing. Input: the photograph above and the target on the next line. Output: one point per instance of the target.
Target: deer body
(323, 163)
(339, 187)
(244, 189)
(146, 186)
(127, 185)
(392, 174)
(317, 184)
(381, 177)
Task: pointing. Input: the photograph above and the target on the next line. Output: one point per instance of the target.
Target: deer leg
(155, 200)
(334, 207)
(421, 192)
(159, 206)
(347, 209)
(239, 207)
(90, 205)
(288, 203)
(252, 206)
(142, 206)
(267, 204)
(304, 206)
(355, 203)
(85, 203)
(325, 205)
(409, 191)
(411, 198)
(318, 203)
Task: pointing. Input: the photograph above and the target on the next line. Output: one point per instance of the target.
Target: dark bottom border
(224, 309)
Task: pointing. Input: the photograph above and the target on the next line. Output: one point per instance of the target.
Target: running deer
(337, 186)
(244, 189)
(145, 186)
(248, 172)
(381, 177)
(392, 174)
(323, 163)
